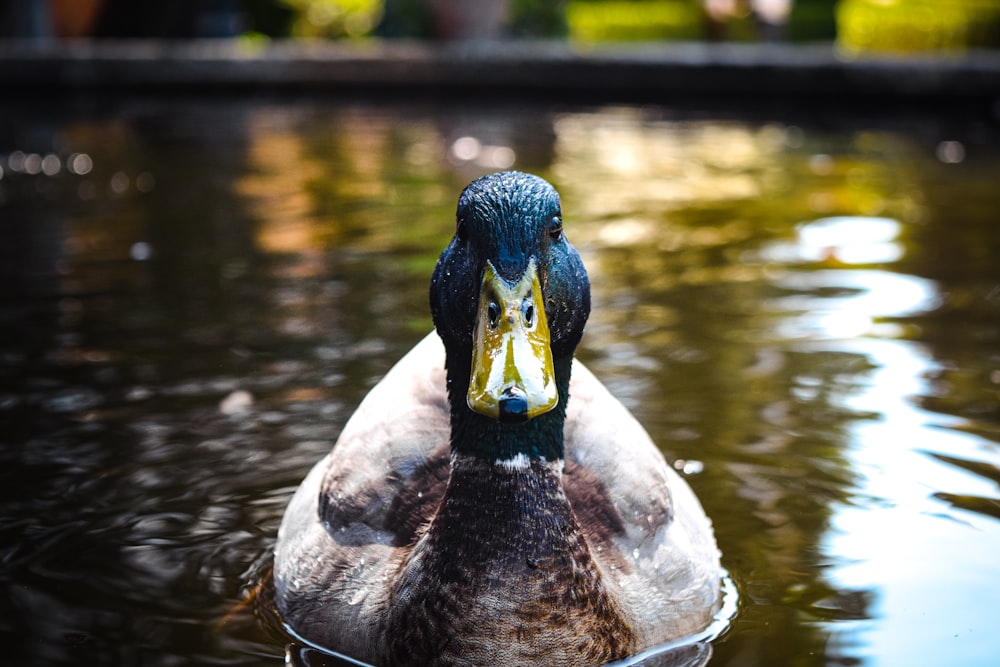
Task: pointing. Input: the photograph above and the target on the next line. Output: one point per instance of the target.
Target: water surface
(195, 295)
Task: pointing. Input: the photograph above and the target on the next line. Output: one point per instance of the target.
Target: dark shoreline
(634, 72)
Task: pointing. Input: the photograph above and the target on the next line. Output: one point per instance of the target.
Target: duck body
(460, 520)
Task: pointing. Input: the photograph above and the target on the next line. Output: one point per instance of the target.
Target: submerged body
(522, 529)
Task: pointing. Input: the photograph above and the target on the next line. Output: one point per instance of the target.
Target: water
(194, 296)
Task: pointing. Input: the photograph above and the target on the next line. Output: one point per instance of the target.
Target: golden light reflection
(617, 165)
(840, 241)
(277, 184)
(365, 138)
(337, 183)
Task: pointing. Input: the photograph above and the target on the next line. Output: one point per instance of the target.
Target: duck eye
(460, 230)
(493, 314)
(528, 312)
(555, 227)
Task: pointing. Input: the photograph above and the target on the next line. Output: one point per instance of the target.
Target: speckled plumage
(572, 544)
(504, 548)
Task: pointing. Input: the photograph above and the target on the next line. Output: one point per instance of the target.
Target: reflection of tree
(957, 246)
(369, 191)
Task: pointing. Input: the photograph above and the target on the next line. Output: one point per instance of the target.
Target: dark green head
(510, 298)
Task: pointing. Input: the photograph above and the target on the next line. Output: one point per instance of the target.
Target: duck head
(509, 298)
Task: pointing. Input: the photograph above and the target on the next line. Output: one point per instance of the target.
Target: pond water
(196, 294)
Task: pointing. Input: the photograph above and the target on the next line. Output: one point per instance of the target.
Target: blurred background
(894, 26)
(788, 211)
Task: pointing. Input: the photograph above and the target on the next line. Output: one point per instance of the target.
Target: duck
(489, 501)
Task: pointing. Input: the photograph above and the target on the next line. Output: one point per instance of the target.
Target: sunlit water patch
(911, 559)
(898, 538)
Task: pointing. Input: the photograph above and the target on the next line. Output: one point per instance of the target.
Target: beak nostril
(493, 314)
(513, 405)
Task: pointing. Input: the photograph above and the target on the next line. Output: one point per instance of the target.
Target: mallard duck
(490, 502)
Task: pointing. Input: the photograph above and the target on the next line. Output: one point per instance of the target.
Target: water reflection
(894, 536)
(845, 304)
(195, 300)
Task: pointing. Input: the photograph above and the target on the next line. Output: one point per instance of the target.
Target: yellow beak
(512, 372)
